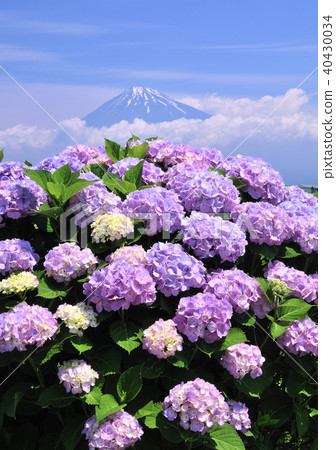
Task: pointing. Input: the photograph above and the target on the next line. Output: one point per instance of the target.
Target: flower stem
(192, 355)
(37, 372)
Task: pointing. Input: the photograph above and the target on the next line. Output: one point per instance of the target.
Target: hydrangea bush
(156, 296)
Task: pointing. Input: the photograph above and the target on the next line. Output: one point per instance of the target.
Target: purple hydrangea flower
(241, 359)
(134, 254)
(150, 174)
(119, 285)
(101, 157)
(298, 282)
(296, 194)
(117, 431)
(159, 208)
(265, 223)
(314, 277)
(209, 192)
(210, 235)
(162, 339)
(234, 286)
(57, 161)
(178, 175)
(173, 270)
(198, 405)
(239, 416)
(19, 198)
(68, 261)
(261, 307)
(300, 338)
(203, 316)
(12, 171)
(16, 255)
(26, 325)
(262, 181)
(77, 376)
(81, 152)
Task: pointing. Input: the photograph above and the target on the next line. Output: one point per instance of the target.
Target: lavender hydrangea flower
(296, 194)
(203, 316)
(262, 181)
(239, 416)
(77, 376)
(173, 270)
(18, 199)
(68, 261)
(150, 173)
(300, 338)
(57, 161)
(314, 277)
(210, 235)
(12, 171)
(17, 255)
(209, 192)
(81, 152)
(77, 318)
(159, 208)
(111, 227)
(298, 282)
(26, 325)
(18, 282)
(117, 431)
(134, 254)
(241, 359)
(162, 339)
(179, 174)
(261, 307)
(101, 157)
(119, 285)
(266, 224)
(234, 286)
(198, 405)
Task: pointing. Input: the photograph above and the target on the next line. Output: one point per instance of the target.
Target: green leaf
(54, 350)
(302, 419)
(62, 175)
(129, 384)
(55, 396)
(97, 169)
(81, 343)
(293, 309)
(264, 284)
(150, 409)
(12, 397)
(2, 154)
(41, 177)
(290, 253)
(277, 329)
(237, 182)
(223, 438)
(254, 387)
(112, 150)
(75, 187)
(107, 405)
(72, 431)
(220, 171)
(179, 360)
(55, 190)
(138, 151)
(134, 174)
(125, 335)
(48, 288)
(51, 212)
(245, 319)
(151, 369)
(28, 163)
(132, 139)
(268, 251)
(111, 180)
(93, 397)
(234, 336)
(107, 361)
(169, 430)
(208, 349)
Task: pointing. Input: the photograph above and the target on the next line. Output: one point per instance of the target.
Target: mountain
(142, 103)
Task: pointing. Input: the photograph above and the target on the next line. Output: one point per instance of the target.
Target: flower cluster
(16, 255)
(241, 359)
(296, 194)
(300, 338)
(77, 376)
(119, 285)
(159, 208)
(209, 192)
(19, 282)
(150, 173)
(68, 261)
(12, 171)
(203, 316)
(81, 152)
(77, 318)
(135, 255)
(298, 282)
(19, 198)
(198, 404)
(57, 161)
(235, 287)
(117, 431)
(173, 270)
(178, 175)
(239, 416)
(111, 227)
(161, 339)
(262, 181)
(265, 223)
(209, 235)
(26, 325)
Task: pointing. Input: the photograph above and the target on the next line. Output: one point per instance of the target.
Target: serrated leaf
(134, 174)
(292, 309)
(48, 289)
(179, 360)
(169, 430)
(112, 150)
(150, 409)
(111, 180)
(75, 187)
(245, 319)
(138, 151)
(254, 387)
(12, 397)
(93, 397)
(41, 177)
(277, 329)
(208, 349)
(224, 438)
(62, 175)
(52, 212)
(107, 405)
(302, 419)
(55, 190)
(264, 284)
(125, 335)
(234, 336)
(55, 396)
(107, 361)
(290, 253)
(54, 350)
(129, 384)
(72, 431)
(81, 343)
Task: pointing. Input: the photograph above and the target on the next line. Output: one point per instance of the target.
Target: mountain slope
(142, 103)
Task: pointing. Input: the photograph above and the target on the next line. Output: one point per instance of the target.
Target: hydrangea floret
(77, 376)
(111, 227)
(18, 282)
(77, 318)
(241, 359)
(162, 339)
(300, 338)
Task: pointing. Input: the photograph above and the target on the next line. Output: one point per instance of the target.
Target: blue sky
(73, 56)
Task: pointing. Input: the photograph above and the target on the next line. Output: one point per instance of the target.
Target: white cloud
(23, 136)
